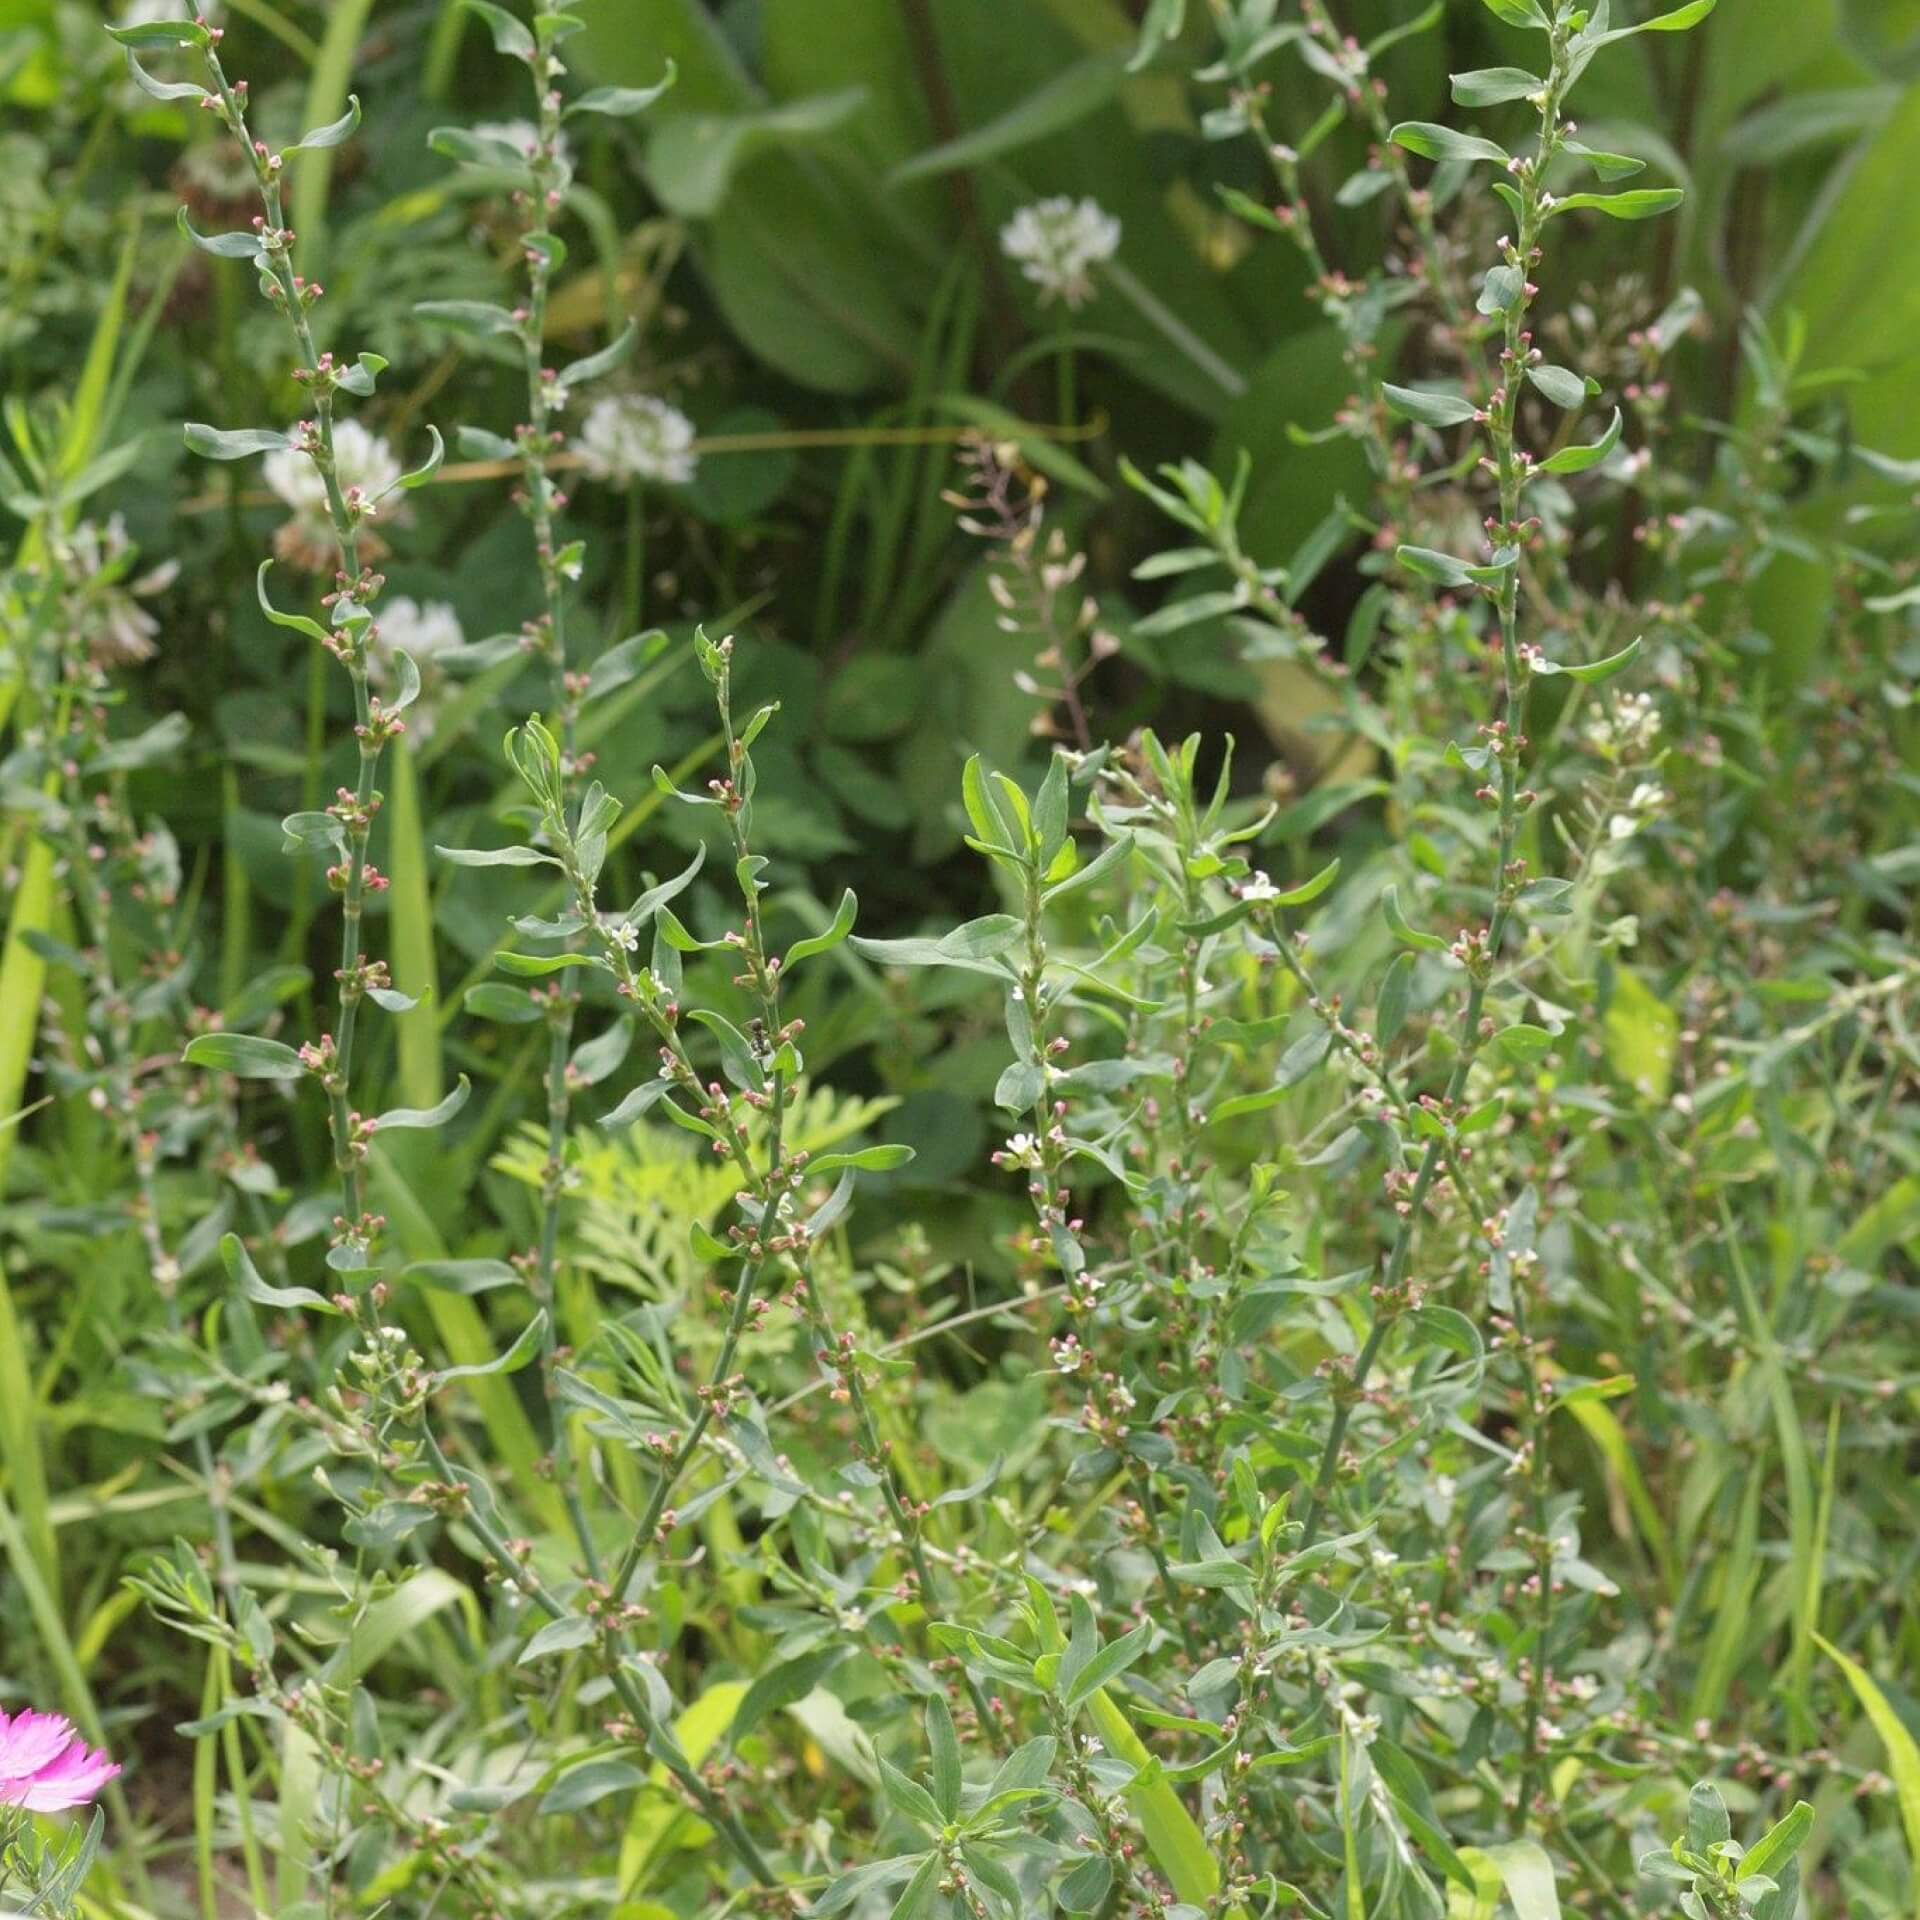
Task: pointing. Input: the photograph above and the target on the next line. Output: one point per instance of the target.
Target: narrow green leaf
(248, 1055)
(1435, 142)
(1642, 203)
(1579, 459)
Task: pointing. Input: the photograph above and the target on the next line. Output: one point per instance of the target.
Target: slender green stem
(349, 642)
(1508, 740)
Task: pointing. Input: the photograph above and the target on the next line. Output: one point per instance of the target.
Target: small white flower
(635, 436)
(625, 936)
(1022, 1150)
(363, 463)
(1628, 730)
(1257, 886)
(1058, 242)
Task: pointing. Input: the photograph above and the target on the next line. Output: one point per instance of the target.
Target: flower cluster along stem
(332, 1059)
(1507, 744)
(774, 1037)
(541, 501)
(81, 730)
(769, 1241)
(1368, 95)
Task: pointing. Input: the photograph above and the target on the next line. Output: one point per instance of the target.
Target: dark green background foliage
(1693, 1102)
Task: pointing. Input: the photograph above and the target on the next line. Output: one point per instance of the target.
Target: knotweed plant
(1344, 1199)
(539, 165)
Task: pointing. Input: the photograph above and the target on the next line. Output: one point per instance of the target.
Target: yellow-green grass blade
(1903, 1754)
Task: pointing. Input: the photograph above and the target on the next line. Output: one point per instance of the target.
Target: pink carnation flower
(45, 1766)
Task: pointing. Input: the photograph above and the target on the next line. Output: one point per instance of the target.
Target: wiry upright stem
(541, 501)
(350, 638)
(1506, 744)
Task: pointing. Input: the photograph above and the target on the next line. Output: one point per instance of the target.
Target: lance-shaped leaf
(162, 89)
(478, 150)
(1678, 21)
(1493, 86)
(1431, 409)
(1640, 204)
(246, 1276)
(515, 856)
(474, 317)
(228, 246)
(1397, 925)
(216, 443)
(297, 621)
(313, 831)
(161, 33)
(641, 1100)
(1609, 166)
(425, 1117)
(1579, 459)
(515, 1357)
(841, 926)
(621, 102)
(1435, 142)
(1594, 670)
(334, 133)
(421, 474)
(867, 1159)
(359, 378)
(1563, 388)
(595, 364)
(623, 660)
(1500, 289)
(245, 1054)
(509, 36)
(1164, 19)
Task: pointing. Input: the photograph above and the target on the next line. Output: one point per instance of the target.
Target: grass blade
(1903, 1753)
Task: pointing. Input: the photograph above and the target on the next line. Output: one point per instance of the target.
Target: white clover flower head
(422, 631)
(109, 621)
(637, 436)
(423, 634)
(363, 464)
(1058, 242)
